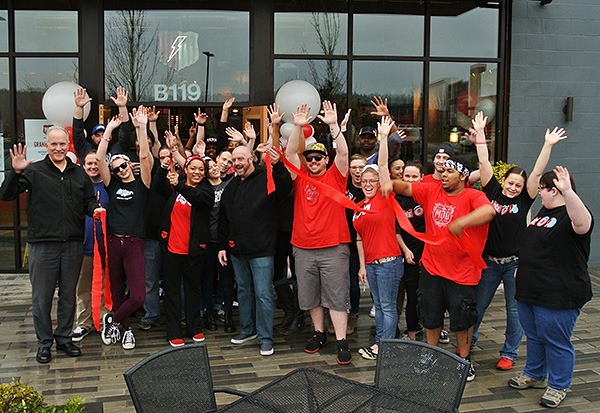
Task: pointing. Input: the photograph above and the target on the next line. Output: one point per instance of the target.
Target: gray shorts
(323, 278)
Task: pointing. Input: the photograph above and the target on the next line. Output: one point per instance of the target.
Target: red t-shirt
(377, 229)
(319, 221)
(179, 236)
(448, 259)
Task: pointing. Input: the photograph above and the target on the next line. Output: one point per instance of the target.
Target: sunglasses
(317, 158)
(119, 168)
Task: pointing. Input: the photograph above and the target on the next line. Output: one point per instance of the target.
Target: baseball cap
(98, 128)
(446, 148)
(367, 130)
(315, 147)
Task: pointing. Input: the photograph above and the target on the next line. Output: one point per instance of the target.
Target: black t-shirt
(356, 194)
(214, 212)
(415, 214)
(510, 221)
(127, 207)
(553, 268)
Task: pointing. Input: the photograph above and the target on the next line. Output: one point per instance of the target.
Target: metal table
(309, 390)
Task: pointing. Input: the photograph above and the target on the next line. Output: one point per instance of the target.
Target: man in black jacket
(248, 226)
(59, 194)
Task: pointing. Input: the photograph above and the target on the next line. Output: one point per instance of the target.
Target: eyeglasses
(317, 158)
(369, 181)
(119, 168)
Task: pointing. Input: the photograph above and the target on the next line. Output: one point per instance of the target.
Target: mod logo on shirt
(505, 209)
(124, 194)
(545, 222)
(442, 214)
(182, 200)
(312, 193)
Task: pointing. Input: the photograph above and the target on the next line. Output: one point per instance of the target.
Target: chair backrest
(174, 380)
(421, 372)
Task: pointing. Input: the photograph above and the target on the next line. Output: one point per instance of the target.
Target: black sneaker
(471, 374)
(343, 352)
(79, 333)
(317, 341)
(110, 330)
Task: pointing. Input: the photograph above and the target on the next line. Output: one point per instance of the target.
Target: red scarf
(97, 275)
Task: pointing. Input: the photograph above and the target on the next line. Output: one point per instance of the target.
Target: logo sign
(178, 50)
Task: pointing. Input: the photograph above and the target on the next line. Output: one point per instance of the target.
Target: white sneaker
(128, 340)
(372, 312)
(444, 337)
(110, 330)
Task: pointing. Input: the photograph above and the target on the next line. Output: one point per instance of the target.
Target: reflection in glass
(311, 33)
(46, 31)
(7, 244)
(5, 130)
(327, 76)
(3, 31)
(34, 77)
(171, 54)
(388, 35)
(401, 84)
(471, 34)
(457, 92)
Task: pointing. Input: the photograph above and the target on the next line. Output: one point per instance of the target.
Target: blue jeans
(152, 254)
(384, 280)
(255, 296)
(484, 293)
(549, 348)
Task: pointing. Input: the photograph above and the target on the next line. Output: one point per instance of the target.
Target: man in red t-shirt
(449, 273)
(320, 233)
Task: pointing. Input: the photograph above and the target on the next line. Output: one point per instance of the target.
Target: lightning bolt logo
(176, 46)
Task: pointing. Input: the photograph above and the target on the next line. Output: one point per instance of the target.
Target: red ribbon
(406, 225)
(270, 181)
(97, 274)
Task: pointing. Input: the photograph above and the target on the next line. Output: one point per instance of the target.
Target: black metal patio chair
(421, 372)
(175, 380)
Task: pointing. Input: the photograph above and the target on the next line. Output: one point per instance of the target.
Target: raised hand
(344, 124)
(18, 157)
(121, 99)
(200, 118)
(139, 117)
(301, 117)
(114, 123)
(274, 155)
(249, 131)
(273, 111)
(152, 114)
(479, 122)
(234, 134)
(562, 181)
(173, 178)
(193, 129)
(558, 134)
(171, 140)
(228, 103)
(471, 135)
(199, 148)
(329, 113)
(385, 125)
(80, 98)
(380, 105)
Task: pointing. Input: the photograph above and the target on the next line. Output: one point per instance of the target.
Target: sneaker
(343, 352)
(242, 338)
(144, 325)
(79, 333)
(524, 382)
(177, 342)
(128, 340)
(444, 337)
(220, 315)
(367, 353)
(266, 349)
(198, 337)
(471, 374)
(553, 397)
(110, 330)
(372, 312)
(505, 363)
(317, 341)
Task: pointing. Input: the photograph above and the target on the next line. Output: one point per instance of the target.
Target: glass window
(388, 35)
(7, 243)
(5, 134)
(34, 77)
(173, 51)
(3, 31)
(311, 33)
(457, 91)
(471, 34)
(327, 76)
(401, 84)
(46, 31)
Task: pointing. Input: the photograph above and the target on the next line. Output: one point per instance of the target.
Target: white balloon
(488, 107)
(309, 141)
(285, 130)
(58, 103)
(295, 93)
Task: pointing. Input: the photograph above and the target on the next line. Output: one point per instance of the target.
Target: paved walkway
(98, 374)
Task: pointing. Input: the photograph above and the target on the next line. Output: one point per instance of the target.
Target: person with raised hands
(320, 233)
(553, 284)
(512, 199)
(128, 197)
